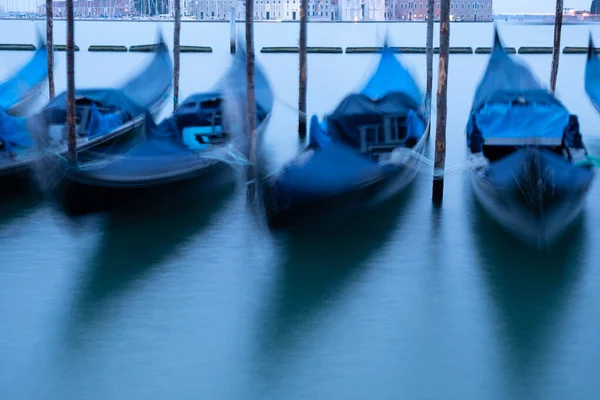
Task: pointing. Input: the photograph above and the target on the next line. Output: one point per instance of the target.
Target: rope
(589, 161)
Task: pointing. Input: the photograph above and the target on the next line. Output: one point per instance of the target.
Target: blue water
(197, 300)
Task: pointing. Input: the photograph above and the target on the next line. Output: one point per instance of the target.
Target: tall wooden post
(232, 31)
(50, 47)
(556, 52)
(442, 94)
(429, 45)
(303, 71)
(176, 38)
(72, 140)
(251, 100)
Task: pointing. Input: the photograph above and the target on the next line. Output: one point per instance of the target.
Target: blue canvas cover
(13, 133)
(390, 91)
(30, 75)
(512, 108)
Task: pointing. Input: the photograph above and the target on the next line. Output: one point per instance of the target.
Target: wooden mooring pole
(232, 31)
(176, 37)
(72, 139)
(556, 52)
(303, 71)
(50, 47)
(250, 100)
(442, 94)
(429, 46)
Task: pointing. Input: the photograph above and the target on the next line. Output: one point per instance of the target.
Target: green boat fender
(589, 161)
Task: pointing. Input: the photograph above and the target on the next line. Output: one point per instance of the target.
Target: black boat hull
(333, 211)
(41, 172)
(534, 208)
(79, 195)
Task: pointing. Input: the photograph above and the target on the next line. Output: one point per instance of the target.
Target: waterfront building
(361, 10)
(92, 8)
(264, 10)
(460, 10)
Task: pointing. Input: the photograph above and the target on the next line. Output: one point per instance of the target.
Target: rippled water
(197, 300)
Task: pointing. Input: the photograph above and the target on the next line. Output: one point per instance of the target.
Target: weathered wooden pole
(72, 140)
(442, 94)
(556, 52)
(303, 71)
(429, 45)
(232, 31)
(50, 47)
(250, 100)
(176, 38)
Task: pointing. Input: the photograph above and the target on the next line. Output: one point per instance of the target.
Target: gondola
(362, 154)
(529, 165)
(104, 118)
(592, 76)
(22, 90)
(198, 150)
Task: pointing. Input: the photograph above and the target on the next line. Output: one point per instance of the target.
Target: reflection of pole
(176, 53)
(251, 100)
(72, 140)
(232, 31)
(556, 52)
(303, 72)
(429, 45)
(442, 94)
(50, 47)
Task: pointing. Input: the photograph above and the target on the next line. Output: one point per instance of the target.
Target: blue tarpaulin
(30, 75)
(522, 124)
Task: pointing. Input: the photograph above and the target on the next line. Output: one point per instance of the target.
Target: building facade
(92, 8)
(361, 10)
(264, 10)
(460, 10)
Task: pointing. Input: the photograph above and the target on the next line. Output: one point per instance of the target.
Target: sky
(500, 6)
(537, 6)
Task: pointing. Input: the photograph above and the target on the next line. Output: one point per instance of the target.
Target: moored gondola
(364, 153)
(530, 169)
(104, 118)
(195, 152)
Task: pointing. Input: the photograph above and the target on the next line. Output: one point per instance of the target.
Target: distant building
(92, 8)
(265, 10)
(460, 10)
(188, 7)
(361, 10)
(595, 7)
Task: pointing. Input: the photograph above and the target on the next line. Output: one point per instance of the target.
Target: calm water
(197, 301)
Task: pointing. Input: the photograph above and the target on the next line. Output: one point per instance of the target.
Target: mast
(558, 20)
(442, 95)
(50, 47)
(303, 72)
(72, 140)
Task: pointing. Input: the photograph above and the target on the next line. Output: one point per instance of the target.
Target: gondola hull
(37, 170)
(534, 194)
(80, 195)
(293, 210)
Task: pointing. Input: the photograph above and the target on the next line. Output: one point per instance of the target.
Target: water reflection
(135, 240)
(313, 272)
(530, 291)
(15, 206)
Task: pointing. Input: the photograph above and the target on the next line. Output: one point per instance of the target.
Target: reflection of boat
(103, 117)
(529, 161)
(22, 90)
(197, 144)
(361, 155)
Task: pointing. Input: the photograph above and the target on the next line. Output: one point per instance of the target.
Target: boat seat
(201, 137)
